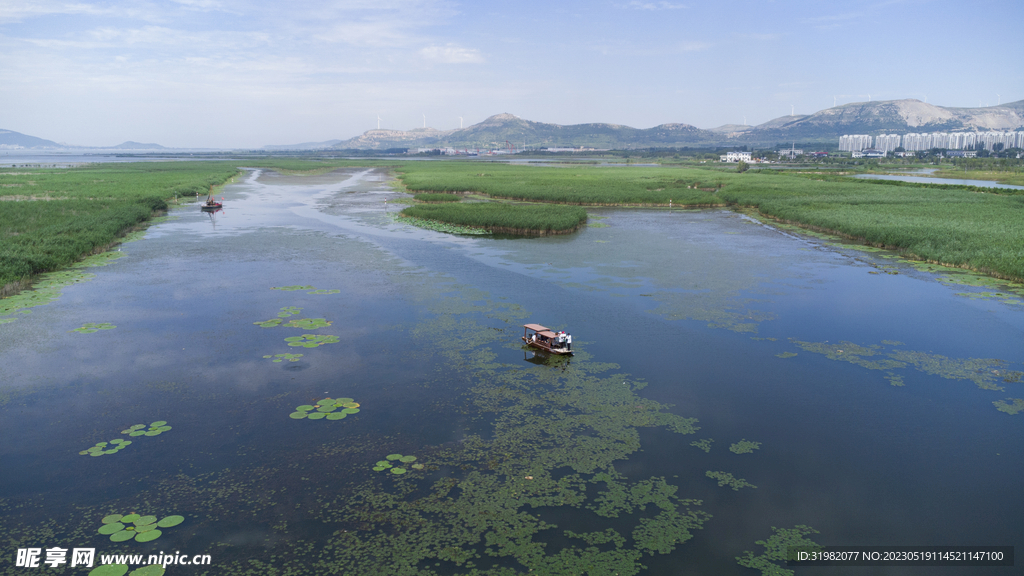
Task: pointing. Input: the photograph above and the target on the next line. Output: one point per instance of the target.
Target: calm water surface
(869, 385)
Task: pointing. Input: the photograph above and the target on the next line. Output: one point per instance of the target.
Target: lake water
(928, 180)
(836, 388)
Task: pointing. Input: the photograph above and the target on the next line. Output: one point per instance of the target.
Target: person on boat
(568, 341)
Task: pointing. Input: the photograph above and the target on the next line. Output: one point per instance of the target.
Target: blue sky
(230, 73)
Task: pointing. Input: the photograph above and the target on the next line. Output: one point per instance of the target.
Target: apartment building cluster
(927, 141)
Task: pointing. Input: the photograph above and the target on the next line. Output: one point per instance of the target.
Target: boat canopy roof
(535, 327)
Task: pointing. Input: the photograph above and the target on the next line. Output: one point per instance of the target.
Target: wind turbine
(424, 120)
(792, 110)
(833, 101)
(460, 122)
(869, 97)
(378, 122)
(999, 100)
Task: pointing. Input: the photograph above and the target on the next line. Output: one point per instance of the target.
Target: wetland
(735, 380)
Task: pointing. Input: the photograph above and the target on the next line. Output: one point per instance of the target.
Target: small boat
(543, 338)
(210, 203)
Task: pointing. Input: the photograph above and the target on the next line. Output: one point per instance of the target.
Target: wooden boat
(538, 336)
(210, 203)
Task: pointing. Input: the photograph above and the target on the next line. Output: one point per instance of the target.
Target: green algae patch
(101, 259)
(311, 340)
(786, 354)
(45, 290)
(744, 447)
(704, 444)
(894, 379)
(1014, 406)
(726, 479)
(93, 327)
(777, 548)
(284, 357)
(983, 372)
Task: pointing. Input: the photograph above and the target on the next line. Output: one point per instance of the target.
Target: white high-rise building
(854, 142)
(887, 142)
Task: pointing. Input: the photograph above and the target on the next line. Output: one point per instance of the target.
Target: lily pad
(109, 570)
(350, 404)
(351, 410)
(145, 528)
(272, 323)
(304, 408)
(398, 471)
(170, 521)
(122, 536)
(137, 433)
(317, 415)
(163, 429)
(151, 570)
(378, 468)
(308, 323)
(292, 288)
(131, 518)
(405, 459)
(112, 518)
(298, 415)
(108, 529)
(145, 520)
(283, 357)
(393, 456)
(383, 463)
(327, 408)
(311, 340)
(418, 466)
(148, 536)
(288, 311)
(158, 424)
(337, 416)
(153, 433)
(324, 291)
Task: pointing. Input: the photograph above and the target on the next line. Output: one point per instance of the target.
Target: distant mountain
(495, 131)
(825, 127)
(129, 145)
(15, 140)
(887, 117)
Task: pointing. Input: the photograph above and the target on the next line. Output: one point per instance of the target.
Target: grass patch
(504, 218)
(50, 218)
(436, 198)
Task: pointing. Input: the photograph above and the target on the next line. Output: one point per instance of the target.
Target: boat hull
(542, 346)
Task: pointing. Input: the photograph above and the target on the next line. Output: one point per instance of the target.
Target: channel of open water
(833, 387)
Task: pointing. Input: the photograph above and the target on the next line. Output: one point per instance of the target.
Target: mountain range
(823, 127)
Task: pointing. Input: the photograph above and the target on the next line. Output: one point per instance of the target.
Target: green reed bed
(974, 230)
(50, 218)
(952, 225)
(436, 198)
(504, 218)
(580, 185)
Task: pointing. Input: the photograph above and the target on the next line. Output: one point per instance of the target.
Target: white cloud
(451, 54)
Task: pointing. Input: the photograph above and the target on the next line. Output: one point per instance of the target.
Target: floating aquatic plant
(135, 526)
(101, 259)
(102, 448)
(726, 479)
(292, 288)
(311, 340)
(324, 291)
(786, 354)
(155, 429)
(283, 357)
(704, 444)
(1015, 405)
(744, 447)
(387, 463)
(288, 311)
(272, 323)
(308, 323)
(93, 327)
(777, 548)
(329, 408)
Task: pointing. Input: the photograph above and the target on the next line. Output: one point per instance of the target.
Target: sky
(244, 74)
